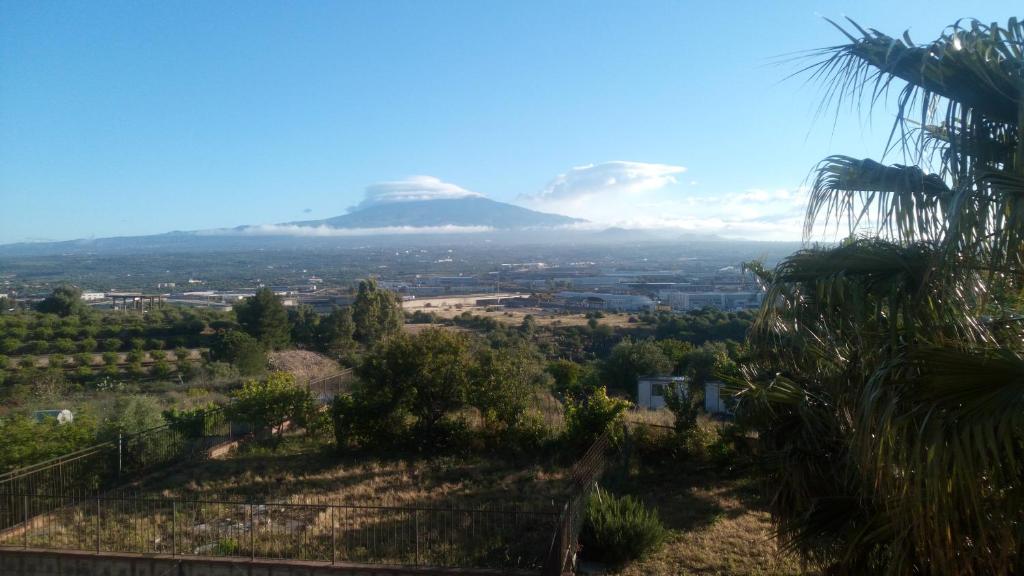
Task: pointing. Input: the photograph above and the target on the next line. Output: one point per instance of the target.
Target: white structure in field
(609, 302)
(683, 301)
(713, 401)
(651, 390)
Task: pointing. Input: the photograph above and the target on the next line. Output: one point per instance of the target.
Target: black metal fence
(583, 479)
(98, 468)
(484, 537)
(66, 504)
(327, 388)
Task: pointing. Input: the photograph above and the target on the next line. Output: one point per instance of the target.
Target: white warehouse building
(613, 302)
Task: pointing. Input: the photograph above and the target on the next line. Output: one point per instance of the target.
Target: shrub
(269, 403)
(588, 416)
(64, 345)
(619, 529)
(87, 345)
(241, 350)
(161, 369)
(112, 344)
(110, 358)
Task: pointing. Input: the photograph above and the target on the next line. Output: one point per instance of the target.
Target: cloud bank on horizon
(626, 194)
(646, 195)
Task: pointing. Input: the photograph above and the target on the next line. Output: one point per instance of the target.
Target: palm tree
(887, 374)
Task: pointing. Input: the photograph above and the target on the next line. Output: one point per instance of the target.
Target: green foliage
(268, 403)
(619, 529)
(63, 301)
(631, 359)
(418, 380)
(376, 313)
(589, 415)
(304, 324)
(131, 415)
(24, 441)
(414, 392)
(112, 344)
(241, 350)
(193, 422)
(884, 378)
(335, 333)
(264, 318)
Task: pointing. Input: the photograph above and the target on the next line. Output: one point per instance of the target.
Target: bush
(241, 350)
(588, 416)
(617, 530)
(87, 345)
(112, 344)
(267, 404)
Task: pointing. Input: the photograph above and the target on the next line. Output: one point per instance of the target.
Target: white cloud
(608, 178)
(329, 232)
(412, 189)
(650, 196)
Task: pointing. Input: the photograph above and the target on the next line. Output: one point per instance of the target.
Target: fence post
(174, 527)
(120, 451)
(334, 541)
(252, 531)
(416, 530)
(25, 524)
(98, 524)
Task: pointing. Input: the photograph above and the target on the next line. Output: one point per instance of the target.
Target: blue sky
(120, 118)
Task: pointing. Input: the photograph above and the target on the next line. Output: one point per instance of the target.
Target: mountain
(424, 220)
(468, 211)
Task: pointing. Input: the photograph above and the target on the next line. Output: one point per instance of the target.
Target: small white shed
(650, 390)
(713, 401)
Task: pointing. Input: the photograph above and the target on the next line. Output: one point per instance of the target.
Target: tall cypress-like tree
(264, 318)
(376, 313)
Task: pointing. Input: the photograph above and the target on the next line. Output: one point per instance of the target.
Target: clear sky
(120, 118)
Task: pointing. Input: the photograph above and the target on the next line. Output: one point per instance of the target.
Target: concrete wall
(54, 563)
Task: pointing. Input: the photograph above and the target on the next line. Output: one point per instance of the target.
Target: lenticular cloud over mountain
(413, 189)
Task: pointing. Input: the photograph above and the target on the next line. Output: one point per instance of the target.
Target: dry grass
(514, 316)
(659, 417)
(717, 521)
(296, 474)
(304, 364)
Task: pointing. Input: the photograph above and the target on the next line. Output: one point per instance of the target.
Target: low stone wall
(31, 562)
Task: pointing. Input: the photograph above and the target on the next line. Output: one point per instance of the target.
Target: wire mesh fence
(583, 478)
(324, 390)
(90, 471)
(499, 536)
(68, 503)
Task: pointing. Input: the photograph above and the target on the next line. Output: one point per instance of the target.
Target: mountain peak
(464, 211)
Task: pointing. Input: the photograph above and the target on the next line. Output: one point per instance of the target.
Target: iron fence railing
(327, 388)
(583, 479)
(509, 536)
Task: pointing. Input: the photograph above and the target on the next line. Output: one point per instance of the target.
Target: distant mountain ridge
(469, 211)
(423, 218)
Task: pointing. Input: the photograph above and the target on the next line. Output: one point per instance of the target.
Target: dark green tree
(631, 359)
(376, 313)
(241, 350)
(63, 301)
(264, 318)
(335, 332)
(304, 323)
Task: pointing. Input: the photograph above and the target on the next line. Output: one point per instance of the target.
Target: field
(452, 306)
(303, 471)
